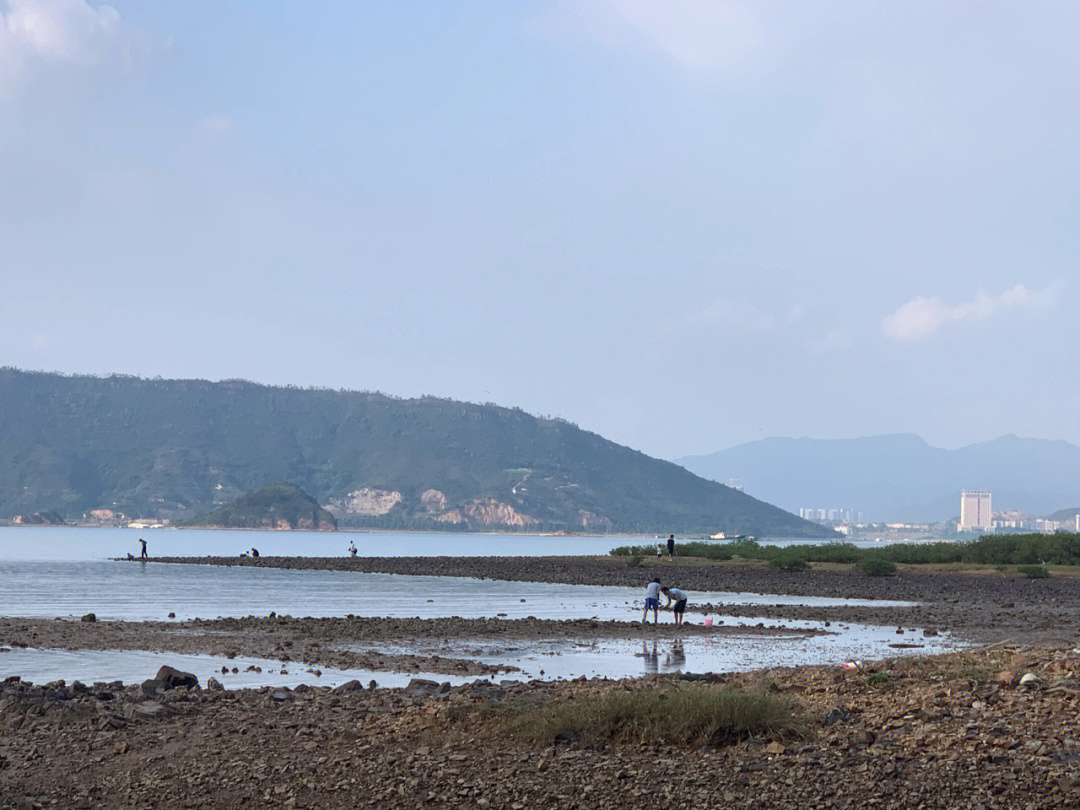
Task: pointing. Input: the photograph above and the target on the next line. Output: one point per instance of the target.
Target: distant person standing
(352, 549)
(142, 549)
(671, 545)
(676, 600)
(652, 602)
(659, 550)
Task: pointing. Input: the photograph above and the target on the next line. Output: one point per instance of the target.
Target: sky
(683, 225)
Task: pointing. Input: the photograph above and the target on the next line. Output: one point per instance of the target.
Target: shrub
(693, 714)
(1034, 571)
(876, 566)
(877, 679)
(788, 561)
(634, 560)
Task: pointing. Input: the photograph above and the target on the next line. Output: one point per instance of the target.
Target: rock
(422, 686)
(865, 737)
(214, 685)
(281, 694)
(348, 686)
(174, 678)
(1031, 681)
(151, 709)
(89, 617)
(775, 748)
(1009, 677)
(837, 715)
(152, 687)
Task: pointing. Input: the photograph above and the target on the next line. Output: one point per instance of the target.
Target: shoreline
(975, 606)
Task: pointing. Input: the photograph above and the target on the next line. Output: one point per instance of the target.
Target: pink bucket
(708, 622)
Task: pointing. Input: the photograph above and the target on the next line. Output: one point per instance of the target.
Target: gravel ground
(953, 731)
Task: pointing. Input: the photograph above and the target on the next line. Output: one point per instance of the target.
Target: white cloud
(955, 78)
(921, 317)
(65, 35)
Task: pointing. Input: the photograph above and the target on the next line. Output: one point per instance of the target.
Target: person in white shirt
(652, 602)
(676, 600)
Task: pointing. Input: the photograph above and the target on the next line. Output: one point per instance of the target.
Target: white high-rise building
(975, 511)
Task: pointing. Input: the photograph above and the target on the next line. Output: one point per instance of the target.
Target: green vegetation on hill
(1060, 548)
(278, 506)
(178, 448)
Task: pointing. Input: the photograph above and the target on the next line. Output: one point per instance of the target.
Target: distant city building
(975, 513)
(831, 516)
(1076, 524)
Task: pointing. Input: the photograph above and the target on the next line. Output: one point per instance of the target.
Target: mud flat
(324, 641)
(983, 606)
(951, 731)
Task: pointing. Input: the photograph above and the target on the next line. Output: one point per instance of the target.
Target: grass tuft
(695, 714)
(1034, 571)
(876, 566)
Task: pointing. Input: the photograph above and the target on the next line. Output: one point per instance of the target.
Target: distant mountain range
(900, 477)
(178, 449)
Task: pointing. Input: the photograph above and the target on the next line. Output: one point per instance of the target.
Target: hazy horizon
(682, 227)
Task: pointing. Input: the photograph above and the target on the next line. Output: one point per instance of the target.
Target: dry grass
(691, 715)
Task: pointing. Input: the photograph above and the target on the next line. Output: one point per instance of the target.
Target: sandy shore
(953, 731)
(982, 606)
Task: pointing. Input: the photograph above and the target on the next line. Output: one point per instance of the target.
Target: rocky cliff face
(366, 501)
(487, 512)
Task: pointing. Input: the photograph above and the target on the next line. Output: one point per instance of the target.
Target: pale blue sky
(683, 225)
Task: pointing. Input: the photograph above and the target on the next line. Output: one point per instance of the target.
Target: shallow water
(150, 591)
(135, 666)
(60, 573)
(550, 659)
(78, 543)
(620, 658)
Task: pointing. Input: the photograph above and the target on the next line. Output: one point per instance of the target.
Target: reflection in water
(652, 658)
(676, 658)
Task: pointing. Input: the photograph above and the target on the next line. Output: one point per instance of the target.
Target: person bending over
(676, 600)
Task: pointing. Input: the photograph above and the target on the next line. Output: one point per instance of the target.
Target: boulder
(422, 686)
(152, 687)
(348, 686)
(214, 685)
(1031, 681)
(174, 678)
(89, 617)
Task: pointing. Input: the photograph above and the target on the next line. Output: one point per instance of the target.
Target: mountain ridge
(900, 476)
(179, 448)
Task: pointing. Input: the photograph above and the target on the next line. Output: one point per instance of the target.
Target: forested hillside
(179, 448)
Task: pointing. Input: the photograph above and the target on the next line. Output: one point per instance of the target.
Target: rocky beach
(993, 728)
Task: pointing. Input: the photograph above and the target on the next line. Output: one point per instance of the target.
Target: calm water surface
(64, 572)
